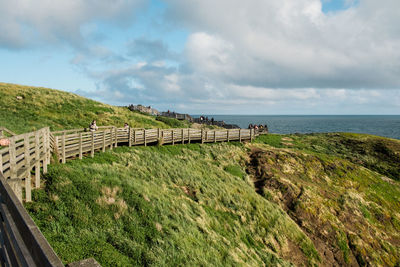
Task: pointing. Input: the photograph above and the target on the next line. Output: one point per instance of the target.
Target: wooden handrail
(3, 129)
(22, 242)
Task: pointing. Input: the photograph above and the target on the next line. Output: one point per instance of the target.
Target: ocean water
(382, 125)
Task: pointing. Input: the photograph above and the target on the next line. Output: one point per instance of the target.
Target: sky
(210, 56)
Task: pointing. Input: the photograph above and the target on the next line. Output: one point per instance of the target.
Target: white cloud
(29, 22)
(292, 43)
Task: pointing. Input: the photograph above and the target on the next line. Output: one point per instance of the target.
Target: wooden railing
(77, 143)
(22, 243)
(4, 131)
(26, 152)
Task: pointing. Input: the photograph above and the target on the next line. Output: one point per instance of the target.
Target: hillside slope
(26, 108)
(165, 206)
(267, 203)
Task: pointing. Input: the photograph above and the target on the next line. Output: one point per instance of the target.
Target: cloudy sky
(210, 56)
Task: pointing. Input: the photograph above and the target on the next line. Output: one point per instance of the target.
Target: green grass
(373, 152)
(340, 198)
(42, 107)
(170, 205)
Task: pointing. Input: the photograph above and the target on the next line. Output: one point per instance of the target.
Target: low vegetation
(341, 189)
(172, 205)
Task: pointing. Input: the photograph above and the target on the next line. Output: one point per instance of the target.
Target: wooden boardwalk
(21, 242)
(75, 143)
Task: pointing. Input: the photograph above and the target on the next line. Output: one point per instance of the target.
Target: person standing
(93, 126)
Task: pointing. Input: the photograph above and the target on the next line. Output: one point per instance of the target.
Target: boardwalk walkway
(21, 242)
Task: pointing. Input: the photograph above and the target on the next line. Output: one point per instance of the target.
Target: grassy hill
(268, 203)
(26, 108)
(283, 200)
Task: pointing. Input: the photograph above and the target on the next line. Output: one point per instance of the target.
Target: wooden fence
(22, 243)
(26, 152)
(75, 143)
(5, 132)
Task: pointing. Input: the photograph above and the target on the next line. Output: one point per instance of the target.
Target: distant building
(144, 109)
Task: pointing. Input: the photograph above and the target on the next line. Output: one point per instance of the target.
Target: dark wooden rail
(22, 243)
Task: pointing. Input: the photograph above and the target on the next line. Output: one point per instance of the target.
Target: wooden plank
(63, 148)
(172, 137)
(130, 137)
(183, 137)
(28, 193)
(227, 135)
(13, 160)
(1, 163)
(92, 146)
(16, 243)
(189, 135)
(202, 137)
(15, 184)
(104, 141)
(144, 136)
(46, 149)
(80, 146)
(240, 135)
(215, 137)
(39, 248)
(116, 136)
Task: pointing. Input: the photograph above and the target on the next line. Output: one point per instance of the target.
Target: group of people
(260, 127)
(93, 126)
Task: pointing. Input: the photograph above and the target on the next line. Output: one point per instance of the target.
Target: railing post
(15, 184)
(162, 137)
(92, 144)
(104, 141)
(116, 136)
(189, 135)
(134, 137)
(80, 146)
(13, 160)
(206, 139)
(202, 137)
(37, 160)
(172, 137)
(46, 149)
(251, 136)
(63, 148)
(158, 133)
(215, 136)
(240, 135)
(227, 135)
(111, 139)
(144, 136)
(28, 189)
(183, 139)
(129, 137)
(1, 163)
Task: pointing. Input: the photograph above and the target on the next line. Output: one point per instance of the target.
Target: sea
(382, 125)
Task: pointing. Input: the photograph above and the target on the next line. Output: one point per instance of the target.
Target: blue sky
(221, 57)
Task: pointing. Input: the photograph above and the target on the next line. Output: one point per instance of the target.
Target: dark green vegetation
(41, 107)
(318, 199)
(172, 205)
(337, 188)
(373, 152)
